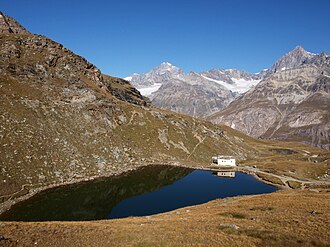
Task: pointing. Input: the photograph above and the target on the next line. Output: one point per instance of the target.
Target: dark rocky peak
(293, 59)
(298, 49)
(298, 52)
(10, 25)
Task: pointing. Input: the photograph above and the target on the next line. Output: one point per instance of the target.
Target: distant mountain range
(288, 101)
(196, 94)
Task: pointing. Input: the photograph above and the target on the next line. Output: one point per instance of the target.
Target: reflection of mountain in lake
(93, 200)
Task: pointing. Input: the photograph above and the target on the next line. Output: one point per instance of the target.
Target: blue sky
(126, 36)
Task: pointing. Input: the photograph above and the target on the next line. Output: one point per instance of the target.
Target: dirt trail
(285, 179)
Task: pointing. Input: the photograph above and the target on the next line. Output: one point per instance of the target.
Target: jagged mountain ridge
(291, 103)
(196, 94)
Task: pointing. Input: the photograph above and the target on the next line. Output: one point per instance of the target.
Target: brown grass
(294, 184)
(295, 218)
(271, 179)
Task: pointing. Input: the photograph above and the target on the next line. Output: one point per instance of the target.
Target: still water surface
(146, 191)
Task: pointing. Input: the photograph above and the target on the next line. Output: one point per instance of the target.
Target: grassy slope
(284, 218)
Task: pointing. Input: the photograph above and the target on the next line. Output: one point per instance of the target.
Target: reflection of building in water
(222, 160)
(226, 174)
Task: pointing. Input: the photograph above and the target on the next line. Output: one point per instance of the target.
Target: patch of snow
(284, 68)
(167, 63)
(147, 91)
(311, 53)
(128, 78)
(243, 85)
(222, 83)
(240, 86)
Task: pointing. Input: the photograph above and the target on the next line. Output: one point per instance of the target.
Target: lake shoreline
(8, 204)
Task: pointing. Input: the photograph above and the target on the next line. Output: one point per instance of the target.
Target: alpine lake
(145, 191)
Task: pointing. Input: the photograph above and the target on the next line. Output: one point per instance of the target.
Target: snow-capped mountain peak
(151, 81)
(167, 64)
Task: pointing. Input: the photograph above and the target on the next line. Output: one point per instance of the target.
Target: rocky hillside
(10, 25)
(291, 103)
(196, 94)
(62, 120)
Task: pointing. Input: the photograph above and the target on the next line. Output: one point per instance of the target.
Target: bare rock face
(197, 100)
(193, 95)
(292, 103)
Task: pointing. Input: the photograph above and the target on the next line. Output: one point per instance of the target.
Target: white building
(222, 160)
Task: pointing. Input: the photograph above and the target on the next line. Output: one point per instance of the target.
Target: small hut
(222, 160)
